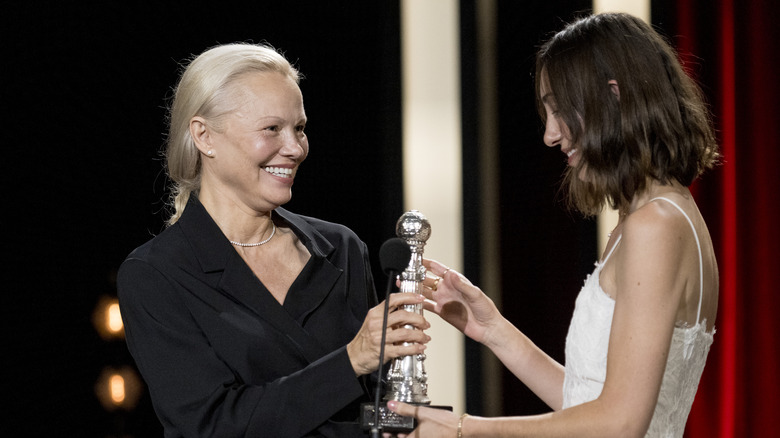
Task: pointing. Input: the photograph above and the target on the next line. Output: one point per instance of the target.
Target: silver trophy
(407, 380)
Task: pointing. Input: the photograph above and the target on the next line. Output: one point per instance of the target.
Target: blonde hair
(204, 90)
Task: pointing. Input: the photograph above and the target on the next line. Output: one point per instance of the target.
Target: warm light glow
(117, 389)
(114, 318)
(107, 319)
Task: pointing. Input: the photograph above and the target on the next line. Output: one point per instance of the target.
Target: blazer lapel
(233, 278)
(310, 289)
(241, 284)
(318, 278)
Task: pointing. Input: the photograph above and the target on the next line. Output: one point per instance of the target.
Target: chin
(280, 201)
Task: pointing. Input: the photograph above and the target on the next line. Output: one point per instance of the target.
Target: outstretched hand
(431, 422)
(363, 350)
(460, 303)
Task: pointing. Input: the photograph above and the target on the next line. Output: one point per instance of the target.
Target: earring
(210, 153)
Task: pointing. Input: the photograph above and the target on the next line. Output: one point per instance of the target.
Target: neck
(653, 190)
(238, 222)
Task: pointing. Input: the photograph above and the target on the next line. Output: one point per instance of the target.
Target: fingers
(400, 314)
(454, 280)
(405, 317)
(435, 267)
(406, 411)
(402, 409)
(404, 336)
(402, 299)
(437, 273)
(430, 306)
(431, 284)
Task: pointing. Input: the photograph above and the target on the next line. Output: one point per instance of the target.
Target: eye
(272, 128)
(300, 128)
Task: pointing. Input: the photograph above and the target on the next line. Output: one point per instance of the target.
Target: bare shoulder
(657, 224)
(658, 246)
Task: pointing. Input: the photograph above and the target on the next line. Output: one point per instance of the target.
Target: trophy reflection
(406, 380)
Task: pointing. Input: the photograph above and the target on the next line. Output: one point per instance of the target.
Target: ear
(613, 85)
(200, 134)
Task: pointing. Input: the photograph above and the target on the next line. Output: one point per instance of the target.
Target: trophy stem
(407, 380)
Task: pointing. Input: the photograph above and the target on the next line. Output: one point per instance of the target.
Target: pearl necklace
(245, 245)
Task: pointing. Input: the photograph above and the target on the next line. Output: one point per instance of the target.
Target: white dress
(586, 354)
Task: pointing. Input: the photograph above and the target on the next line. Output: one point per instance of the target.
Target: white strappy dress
(586, 353)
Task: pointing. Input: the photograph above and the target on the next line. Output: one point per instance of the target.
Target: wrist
(497, 334)
(460, 424)
(351, 354)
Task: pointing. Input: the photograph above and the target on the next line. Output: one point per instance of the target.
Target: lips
(571, 156)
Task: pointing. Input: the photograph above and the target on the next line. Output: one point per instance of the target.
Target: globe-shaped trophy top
(413, 226)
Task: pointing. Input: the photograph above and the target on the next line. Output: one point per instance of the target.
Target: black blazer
(222, 357)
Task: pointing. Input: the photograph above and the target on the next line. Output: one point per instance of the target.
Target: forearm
(223, 406)
(305, 399)
(203, 385)
(535, 368)
(589, 420)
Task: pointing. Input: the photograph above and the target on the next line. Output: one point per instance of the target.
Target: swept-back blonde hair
(659, 127)
(204, 90)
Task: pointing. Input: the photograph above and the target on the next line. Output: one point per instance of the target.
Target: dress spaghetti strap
(698, 246)
(617, 242)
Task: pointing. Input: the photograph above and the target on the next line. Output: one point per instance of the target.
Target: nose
(296, 147)
(552, 132)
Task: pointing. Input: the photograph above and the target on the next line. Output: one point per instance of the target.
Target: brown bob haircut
(659, 127)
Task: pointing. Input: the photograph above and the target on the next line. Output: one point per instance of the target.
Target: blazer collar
(213, 249)
(314, 241)
(228, 273)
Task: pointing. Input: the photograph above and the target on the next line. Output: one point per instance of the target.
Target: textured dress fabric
(587, 346)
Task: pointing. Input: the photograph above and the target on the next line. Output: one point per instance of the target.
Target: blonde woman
(246, 319)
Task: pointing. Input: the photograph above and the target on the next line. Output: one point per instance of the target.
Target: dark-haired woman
(636, 133)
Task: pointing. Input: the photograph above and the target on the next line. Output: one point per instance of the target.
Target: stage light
(108, 319)
(118, 388)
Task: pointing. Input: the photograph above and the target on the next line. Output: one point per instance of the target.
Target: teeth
(279, 171)
(571, 152)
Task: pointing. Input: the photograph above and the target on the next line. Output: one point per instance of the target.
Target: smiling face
(556, 133)
(251, 154)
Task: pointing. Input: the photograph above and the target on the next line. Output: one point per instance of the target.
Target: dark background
(84, 92)
(85, 88)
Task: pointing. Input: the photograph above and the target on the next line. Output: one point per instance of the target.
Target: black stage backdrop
(84, 96)
(84, 93)
(546, 250)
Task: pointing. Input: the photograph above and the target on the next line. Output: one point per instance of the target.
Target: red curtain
(733, 48)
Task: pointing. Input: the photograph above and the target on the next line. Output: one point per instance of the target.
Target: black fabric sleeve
(196, 394)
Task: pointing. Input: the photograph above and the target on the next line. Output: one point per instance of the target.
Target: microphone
(394, 256)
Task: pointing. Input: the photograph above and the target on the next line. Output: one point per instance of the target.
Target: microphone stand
(377, 429)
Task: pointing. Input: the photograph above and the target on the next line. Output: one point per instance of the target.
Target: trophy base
(389, 421)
